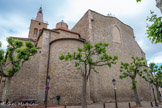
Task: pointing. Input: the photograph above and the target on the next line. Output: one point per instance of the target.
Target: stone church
(65, 80)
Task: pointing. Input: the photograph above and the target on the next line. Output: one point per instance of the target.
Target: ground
(99, 105)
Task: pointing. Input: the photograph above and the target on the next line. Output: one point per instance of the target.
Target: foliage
(17, 54)
(154, 31)
(133, 69)
(154, 74)
(2, 58)
(138, 0)
(88, 58)
(84, 56)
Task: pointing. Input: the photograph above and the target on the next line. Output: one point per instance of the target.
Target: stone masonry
(65, 80)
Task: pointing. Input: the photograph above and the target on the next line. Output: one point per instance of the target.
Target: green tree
(154, 31)
(131, 70)
(16, 55)
(85, 62)
(138, 0)
(154, 76)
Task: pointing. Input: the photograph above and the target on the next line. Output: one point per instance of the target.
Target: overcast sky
(15, 16)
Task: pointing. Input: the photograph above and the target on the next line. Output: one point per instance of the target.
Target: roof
(24, 39)
(110, 17)
(103, 16)
(42, 32)
(64, 29)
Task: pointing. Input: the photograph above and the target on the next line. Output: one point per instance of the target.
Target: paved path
(108, 105)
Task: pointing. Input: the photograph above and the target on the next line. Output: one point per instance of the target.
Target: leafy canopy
(2, 58)
(91, 56)
(17, 54)
(154, 31)
(154, 74)
(138, 0)
(133, 69)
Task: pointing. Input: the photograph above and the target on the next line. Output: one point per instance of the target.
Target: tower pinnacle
(36, 25)
(40, 15)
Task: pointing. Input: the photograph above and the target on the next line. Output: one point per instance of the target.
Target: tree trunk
(138, 103)
(5, 90)
(158, 94)
(84, 94)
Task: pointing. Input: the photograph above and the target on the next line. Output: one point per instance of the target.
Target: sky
(15, 16)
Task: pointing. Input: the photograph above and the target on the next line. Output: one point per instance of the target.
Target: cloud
(75, 9)
(156, 58)
(12, 26)
(15, 17)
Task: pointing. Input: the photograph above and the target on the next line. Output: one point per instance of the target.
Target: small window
(116, 34)
(35, 31)
(39, 23)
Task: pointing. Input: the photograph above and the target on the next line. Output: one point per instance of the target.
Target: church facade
(65, 80)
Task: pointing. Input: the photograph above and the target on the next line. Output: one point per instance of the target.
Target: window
(35, 31)
(116, 34)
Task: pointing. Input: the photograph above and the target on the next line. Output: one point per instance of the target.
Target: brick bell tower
(37, 25)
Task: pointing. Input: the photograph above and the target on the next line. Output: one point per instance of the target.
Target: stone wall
(82, 27)
(63, 34)
(2, 85)
(101, 87)
(36, 25)
(24, 83)
(102, 29)
(46, 37)
(66, 80)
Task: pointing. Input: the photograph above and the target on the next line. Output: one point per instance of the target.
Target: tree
(16, 55)
(85, 62)
(154, 76)
(154, 31)
(131, 70)
(138, 0)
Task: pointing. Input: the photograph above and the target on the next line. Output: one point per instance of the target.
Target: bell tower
(36, 25)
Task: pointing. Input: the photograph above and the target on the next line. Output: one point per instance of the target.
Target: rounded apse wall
(66, 81)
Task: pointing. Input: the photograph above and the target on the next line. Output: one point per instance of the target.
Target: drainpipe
(47, 76)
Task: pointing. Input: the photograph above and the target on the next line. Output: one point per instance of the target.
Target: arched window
(40, 31)
(116, 34)
(35, 31)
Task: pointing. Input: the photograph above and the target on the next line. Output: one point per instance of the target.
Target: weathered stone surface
(36, 28)
(101, 87)
(66, 81)
(81, 27)
(24, 83)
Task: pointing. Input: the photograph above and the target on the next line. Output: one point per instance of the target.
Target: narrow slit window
(116, 35)
(35, 31)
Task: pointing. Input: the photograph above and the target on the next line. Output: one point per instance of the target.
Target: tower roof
(39, 16)
(62, 24)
